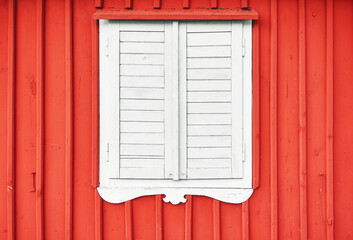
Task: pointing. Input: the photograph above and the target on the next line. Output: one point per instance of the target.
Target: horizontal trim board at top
(152, 116)
(207, 173)
(209, 73)
(142, 163)
(142, 93)
(146, 36)
(150, 173)
(209, 163)
(214, 51)
(207, 152)
(147, 82)
(127, 104)
(141, 26)
(209, 108)
(209, 141)
(209, 130)
(141, 127)
(209, 62)
(141, 70)
(209, 118)
(138, 47)
(195, 97)
(208, 39)
(137, 150)
(142, 138)
(126, 58)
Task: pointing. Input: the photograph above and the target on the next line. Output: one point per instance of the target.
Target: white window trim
(115, 190)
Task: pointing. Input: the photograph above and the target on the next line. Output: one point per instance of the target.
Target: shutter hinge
(243, 48)
(244, 151)
(107, 152)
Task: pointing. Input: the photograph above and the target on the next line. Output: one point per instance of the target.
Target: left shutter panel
(139, 103)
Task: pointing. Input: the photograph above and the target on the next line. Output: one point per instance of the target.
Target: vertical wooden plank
(256, 106)
(216, 220)
(40, 122)
(245, 220)
(329, 120)
(68, 120)
(186, 3)
(175, 101)
(182, 101)
(156, 4)
(302, 123)
(159, 217)
(10, 136)
(128, 220)
(128, 4)
(273, 122)
(214, 4)
(98, 216)
(188, 218)
(95, 105)
(237, 99)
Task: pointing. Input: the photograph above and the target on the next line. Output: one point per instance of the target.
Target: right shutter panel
(212, 76)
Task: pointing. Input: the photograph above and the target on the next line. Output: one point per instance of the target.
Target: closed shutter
(211, 66)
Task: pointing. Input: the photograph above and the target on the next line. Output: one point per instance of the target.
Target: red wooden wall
(306, 115)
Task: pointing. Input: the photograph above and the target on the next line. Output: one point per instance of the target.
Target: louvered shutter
(135, 88)
(212, 88)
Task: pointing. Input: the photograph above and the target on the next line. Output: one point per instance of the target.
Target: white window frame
(116, 190)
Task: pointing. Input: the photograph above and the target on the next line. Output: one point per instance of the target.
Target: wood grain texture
(245, 221)
(40, 123)
(68, 121)
(329, 121)
(10, 124)
(159, 217)
(302, 122)
(128, 221)
(273, 123)
(188, 218)
(216, 220)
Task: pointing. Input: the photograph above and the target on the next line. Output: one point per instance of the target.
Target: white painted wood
(209, 141)
(175, 195)
(209, 62)
(209, 39)
(209, 74)
(209, 108)
(209, 163)
(151, 116)
(199, 97)
(138, 47)
(209, 173)
(183, 118)
(109, 100)
(168, 79)
(209, 26)
(142, 138)
(142, 127)
(142, 173)
(139, 149)
(141, 26)
(142, 93)
(144, 59)
(209, 85)
(209, 130)
(142, 163)
(237, 99)
(214, 51)
(128, 104)
(203, 119)
(221, 152)
(141, 70)
(146, 82)
(141, 36)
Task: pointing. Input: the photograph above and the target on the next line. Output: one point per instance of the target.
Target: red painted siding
(305, 175)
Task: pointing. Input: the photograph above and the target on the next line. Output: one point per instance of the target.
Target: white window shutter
(211, 109)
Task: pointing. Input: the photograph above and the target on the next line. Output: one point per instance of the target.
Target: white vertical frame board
(230, 86)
